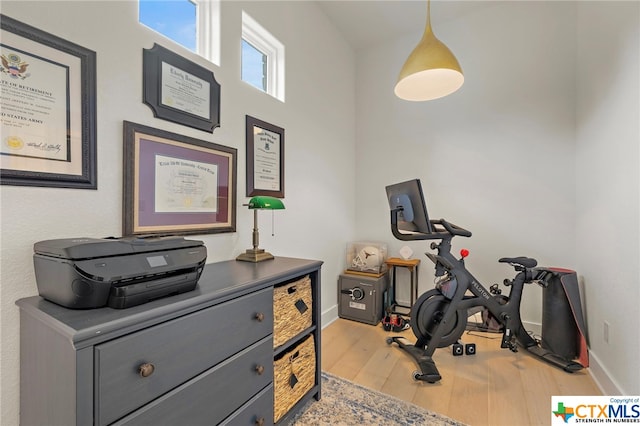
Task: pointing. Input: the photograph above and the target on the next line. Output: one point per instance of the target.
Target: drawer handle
(259, 370)
(259, 421)
(146, 369)
(260, 316)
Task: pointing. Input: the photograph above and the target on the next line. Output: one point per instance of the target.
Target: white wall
(496, 157)
(537, 155)
(318, 117)
(608, 182)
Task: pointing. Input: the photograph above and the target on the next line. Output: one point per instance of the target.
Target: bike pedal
(470, 349)
(458, 349)
(506, 339)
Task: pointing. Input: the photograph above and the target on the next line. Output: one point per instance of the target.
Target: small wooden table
(412, 266)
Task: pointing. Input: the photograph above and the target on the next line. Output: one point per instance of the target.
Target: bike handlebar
(451, 228)
(449, 231)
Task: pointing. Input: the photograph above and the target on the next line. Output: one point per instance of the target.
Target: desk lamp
(256, 254)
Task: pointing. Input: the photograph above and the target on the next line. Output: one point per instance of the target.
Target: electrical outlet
(605, 332)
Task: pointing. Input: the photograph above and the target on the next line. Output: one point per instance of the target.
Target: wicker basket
(292, 306)
(294, 375)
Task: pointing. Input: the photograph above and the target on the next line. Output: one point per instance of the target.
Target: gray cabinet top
(219, 282)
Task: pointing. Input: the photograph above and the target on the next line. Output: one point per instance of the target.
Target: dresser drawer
(257, 411)
(178, 350)
(214, 395)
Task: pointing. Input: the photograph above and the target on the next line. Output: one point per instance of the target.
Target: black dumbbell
(458, 349)
(470, 349)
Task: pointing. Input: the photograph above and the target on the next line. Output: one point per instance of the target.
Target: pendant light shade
(431, 71)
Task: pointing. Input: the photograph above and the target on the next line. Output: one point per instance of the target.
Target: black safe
(362, 298)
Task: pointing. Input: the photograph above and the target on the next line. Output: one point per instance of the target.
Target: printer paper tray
(138, 293)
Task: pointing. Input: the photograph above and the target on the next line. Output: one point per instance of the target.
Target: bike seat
(526, 262)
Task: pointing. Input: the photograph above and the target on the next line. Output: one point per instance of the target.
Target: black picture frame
(175, 184)
(58, 149)
(175, 89)
(265, 158)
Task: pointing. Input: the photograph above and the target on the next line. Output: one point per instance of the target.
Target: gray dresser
(204, 357)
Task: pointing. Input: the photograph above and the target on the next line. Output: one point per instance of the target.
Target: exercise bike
(439, 316)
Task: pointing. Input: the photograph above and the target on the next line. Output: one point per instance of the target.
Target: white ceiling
(367, 22)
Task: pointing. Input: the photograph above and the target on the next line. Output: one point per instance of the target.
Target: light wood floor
(494, 387)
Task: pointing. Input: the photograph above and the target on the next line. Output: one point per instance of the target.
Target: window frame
(207, 23)
(262, 40)
(208, 29)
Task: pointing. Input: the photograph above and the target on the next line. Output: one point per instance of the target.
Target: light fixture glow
(431, 71)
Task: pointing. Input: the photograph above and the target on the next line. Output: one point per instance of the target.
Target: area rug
(344, 403)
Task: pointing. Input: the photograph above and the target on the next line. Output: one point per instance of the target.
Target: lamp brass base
(255, 255)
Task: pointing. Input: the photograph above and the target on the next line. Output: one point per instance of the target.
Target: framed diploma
(47, 109)
(179, 90)
(265, 158)
(176, 185)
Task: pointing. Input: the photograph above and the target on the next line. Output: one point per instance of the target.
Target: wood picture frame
(179, 90)
(48, 104)
(265, 158)
(176, 185)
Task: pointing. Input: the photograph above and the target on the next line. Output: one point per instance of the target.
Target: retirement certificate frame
(48, 104)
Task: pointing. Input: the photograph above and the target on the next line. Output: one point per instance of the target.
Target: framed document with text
(48, 104)
(265, 158)
(179, 90)
(176, 185)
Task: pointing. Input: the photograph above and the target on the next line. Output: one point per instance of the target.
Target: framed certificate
(176, 185)
(48, 109)
(179, 90)
(265, 158)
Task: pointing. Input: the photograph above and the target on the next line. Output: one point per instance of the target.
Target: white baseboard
(329, 316)
(533, 327)
(602, 377)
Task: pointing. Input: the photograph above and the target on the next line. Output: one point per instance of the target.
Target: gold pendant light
(431, 70)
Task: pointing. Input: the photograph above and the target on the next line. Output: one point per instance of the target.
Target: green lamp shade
(264, 202)
(257, 254)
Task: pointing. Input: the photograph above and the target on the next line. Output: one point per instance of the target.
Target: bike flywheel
(427, 314)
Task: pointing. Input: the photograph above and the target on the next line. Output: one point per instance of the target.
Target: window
(262, 58)
(194, 24)
(254, 66)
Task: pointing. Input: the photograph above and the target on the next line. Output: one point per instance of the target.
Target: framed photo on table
(48, 103)
(265, 158)
(179, 90)
(176, 185)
